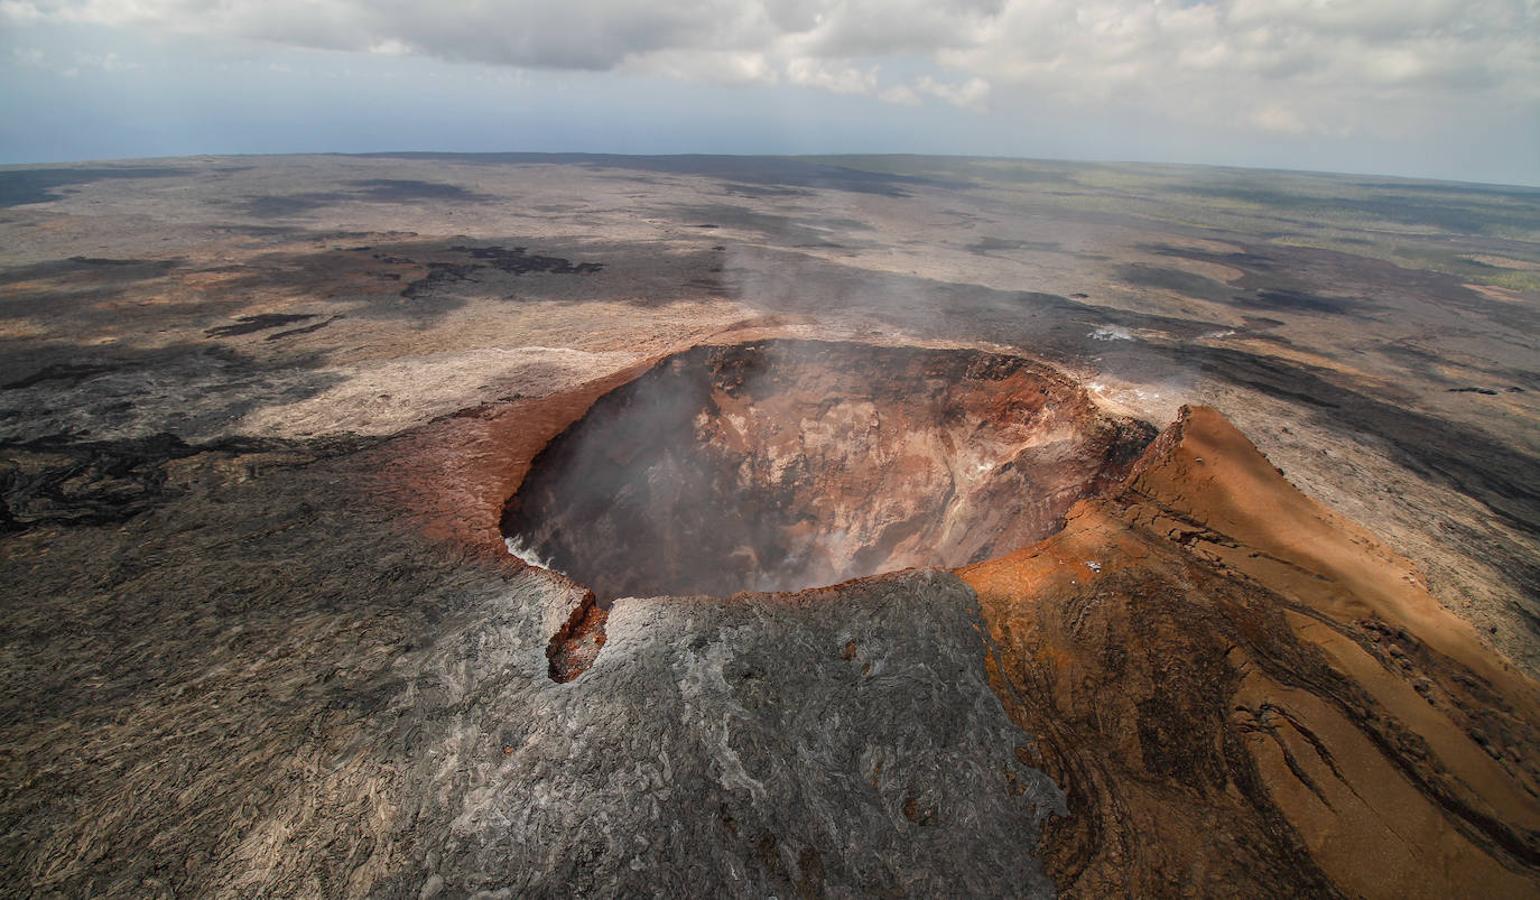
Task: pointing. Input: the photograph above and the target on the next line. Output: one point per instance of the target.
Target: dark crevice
(576, 644)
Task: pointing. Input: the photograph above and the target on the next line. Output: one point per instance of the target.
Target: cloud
(1279, 120)
(831, 77)
(900, 94)
(970, 94)
(80, 61)
(1273, 66)
(390, 47)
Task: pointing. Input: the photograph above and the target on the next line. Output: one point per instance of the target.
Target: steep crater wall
(781, 465)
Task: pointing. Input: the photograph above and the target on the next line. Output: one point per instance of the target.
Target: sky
(1432, 88)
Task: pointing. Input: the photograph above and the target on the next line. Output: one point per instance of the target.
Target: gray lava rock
(268, 687)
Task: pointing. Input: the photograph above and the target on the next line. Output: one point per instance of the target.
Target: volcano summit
(782, 465)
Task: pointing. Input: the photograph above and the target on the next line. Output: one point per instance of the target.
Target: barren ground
(260, 417)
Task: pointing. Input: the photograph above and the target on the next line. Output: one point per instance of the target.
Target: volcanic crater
(781, 465)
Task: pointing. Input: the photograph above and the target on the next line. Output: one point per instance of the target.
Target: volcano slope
(1240, 691)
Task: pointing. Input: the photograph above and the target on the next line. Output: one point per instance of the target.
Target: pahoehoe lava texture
(781, 465)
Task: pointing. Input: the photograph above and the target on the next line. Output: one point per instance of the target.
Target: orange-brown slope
(1242, 692)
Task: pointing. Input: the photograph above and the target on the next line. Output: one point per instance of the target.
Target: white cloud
(1276, 66)
(969, 94)
(107, 62)
(20, 12)
(1279, 120)
(390, 47)
(37, 58)
(900, 94)
(720, 66)
(830, 77)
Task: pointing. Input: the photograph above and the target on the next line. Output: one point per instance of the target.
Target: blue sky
(1413, 87)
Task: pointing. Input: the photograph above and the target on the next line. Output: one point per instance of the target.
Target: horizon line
(1522, 186)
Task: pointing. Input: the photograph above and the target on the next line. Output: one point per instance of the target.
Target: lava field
(417, 526)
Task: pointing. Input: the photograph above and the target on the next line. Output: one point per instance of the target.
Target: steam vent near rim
(528, 526)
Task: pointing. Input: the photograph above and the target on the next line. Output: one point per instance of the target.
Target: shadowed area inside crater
(782, 465)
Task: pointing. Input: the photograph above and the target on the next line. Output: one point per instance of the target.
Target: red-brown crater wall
(782, 465)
